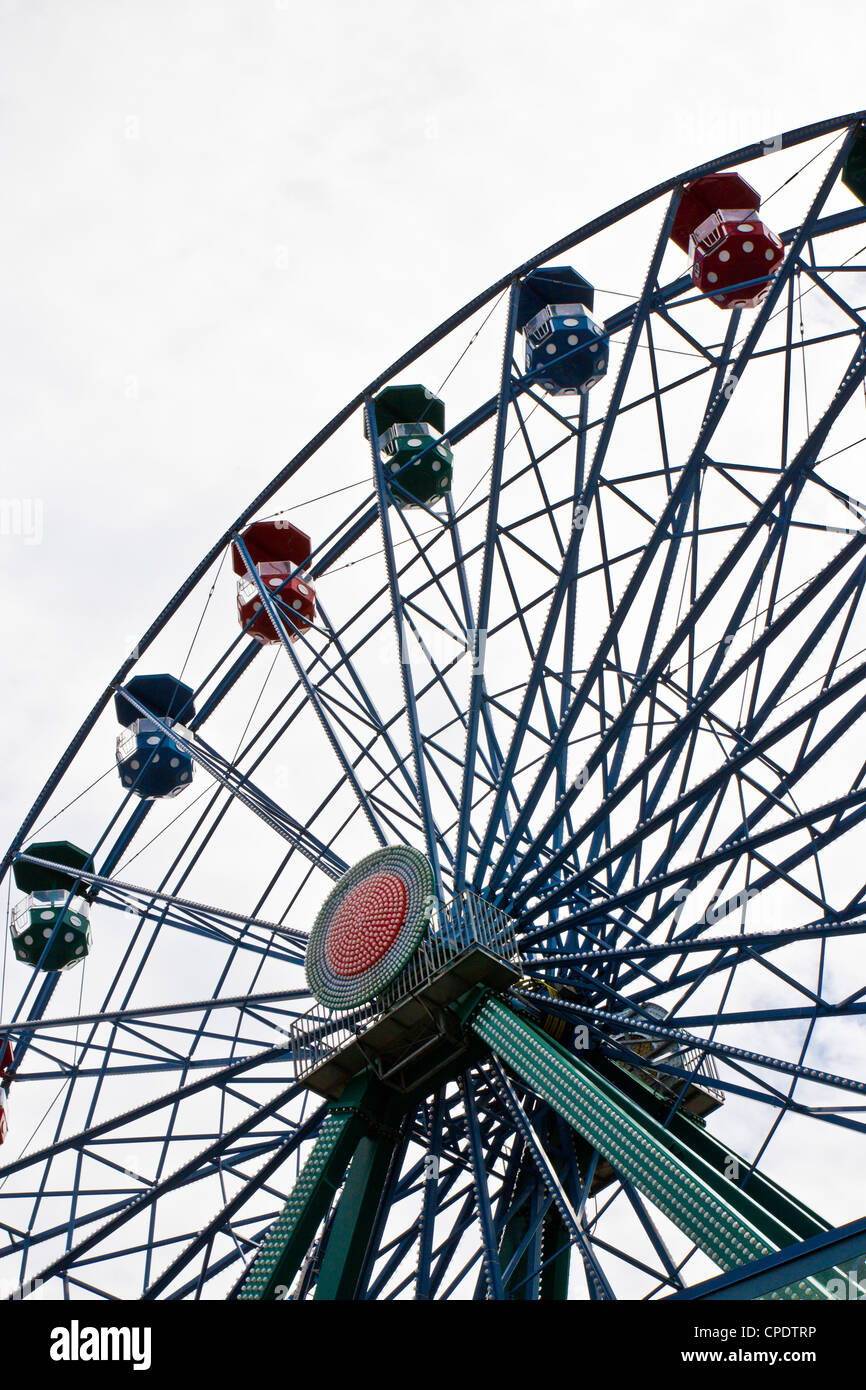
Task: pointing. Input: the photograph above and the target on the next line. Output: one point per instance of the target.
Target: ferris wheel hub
(370, 926)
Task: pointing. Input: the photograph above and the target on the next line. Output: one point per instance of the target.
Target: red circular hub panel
(366, 924)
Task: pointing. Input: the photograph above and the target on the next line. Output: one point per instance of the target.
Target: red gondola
(279, 552)
(734, 253)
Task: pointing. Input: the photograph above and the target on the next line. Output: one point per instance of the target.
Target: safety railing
(697, 1064)
(465, 923)
(45, 902)
(693, 1061)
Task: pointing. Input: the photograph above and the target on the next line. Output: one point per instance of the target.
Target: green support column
(355, 1218)
(778, 1204)
(556, 1257)
(551, 1249)
(722, 1220)
(279, 1259)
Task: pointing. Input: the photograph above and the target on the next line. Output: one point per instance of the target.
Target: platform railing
(463, 923)
(700, 1065)
(693, 1060)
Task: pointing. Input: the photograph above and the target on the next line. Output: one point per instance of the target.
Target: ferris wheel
(458, 892)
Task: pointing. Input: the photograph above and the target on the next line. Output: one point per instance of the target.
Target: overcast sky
(221, 219)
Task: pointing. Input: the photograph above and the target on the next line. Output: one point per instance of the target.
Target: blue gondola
(567, 351)
(151, 763)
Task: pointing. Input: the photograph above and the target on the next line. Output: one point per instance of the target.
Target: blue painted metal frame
(432, 835)
(827, 1251)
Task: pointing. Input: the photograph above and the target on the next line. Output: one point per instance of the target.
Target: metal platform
(393, 1042)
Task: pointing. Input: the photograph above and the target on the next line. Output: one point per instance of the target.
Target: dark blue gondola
(151, 763)
(566, 349)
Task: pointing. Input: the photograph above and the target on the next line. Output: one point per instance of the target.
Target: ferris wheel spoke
(678, 1033)
(735, 950)
(449, 1193)
(387, 780)
(744, 843)
(432, 834)
(158, 1189)
(190, 916)
(671, 1276)
(482, 613)
(127, 1061)
(212, 1269)
(804, 459)
(361, 710)
(758, 748)
(690, 501)
(714, 785)
(611, 759)
(428, 741)
(588, 494)
(492, 758)
(238, 785)
(841, 924)
(821, 282)
(399, 1247)
(23, 1042)
(364, 695)
(114, 1212)
(204, 1238)
(464, 1221)
(433, 586)
(704, 699)
(698, 798)
(434, 1192)
(483, 1211)
(782, 872)
(570, 617)
(310, 690)
(99, 1129)
(578, 1182)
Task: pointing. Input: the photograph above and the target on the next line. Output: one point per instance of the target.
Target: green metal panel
(556, 1255)
(355, 1218)
(685, 1144)
(783, 1206)
(722, 1221)
(71, 942)
(402, 405)
(552, 1247)
(279, 1259)
(845, 1278)
(33, 878)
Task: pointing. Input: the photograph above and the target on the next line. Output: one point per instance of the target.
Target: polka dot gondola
(369, 927)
